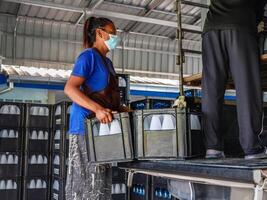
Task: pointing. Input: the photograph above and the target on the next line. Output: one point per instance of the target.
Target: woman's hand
(104, 115)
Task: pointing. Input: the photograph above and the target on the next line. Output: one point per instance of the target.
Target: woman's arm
(72, 90)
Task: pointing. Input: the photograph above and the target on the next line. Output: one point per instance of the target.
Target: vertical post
(1, 44)
(149, 186)
(123, 51)
(15, 40)
(0, 63)
(179, 36)
(1, 50)
(180, 59)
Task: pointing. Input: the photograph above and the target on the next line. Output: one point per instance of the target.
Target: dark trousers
(237, 52)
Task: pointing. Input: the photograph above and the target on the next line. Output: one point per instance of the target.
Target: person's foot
(261, 155)
(214, 154)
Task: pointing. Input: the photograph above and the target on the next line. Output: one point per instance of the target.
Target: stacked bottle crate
(37, 148)
(11, 139)
(140, 104)
(60, 147)
(119, 188)
(160, 103)
(140, 189)
(151, 104)
(124, 87)
(159, 189)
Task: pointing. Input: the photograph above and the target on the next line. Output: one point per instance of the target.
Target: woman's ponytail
(89, 32)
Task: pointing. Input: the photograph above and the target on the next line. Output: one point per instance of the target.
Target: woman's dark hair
(89, 29)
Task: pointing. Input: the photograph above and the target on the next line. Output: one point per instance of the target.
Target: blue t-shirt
(90, 66)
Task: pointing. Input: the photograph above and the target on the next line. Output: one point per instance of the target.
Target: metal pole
(15, 40)
(123, 52)
(179, 35)
(180, 59)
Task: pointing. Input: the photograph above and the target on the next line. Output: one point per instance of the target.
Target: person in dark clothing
(229, 43)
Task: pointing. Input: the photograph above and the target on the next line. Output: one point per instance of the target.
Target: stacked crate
(11, 139)
(151, 104)
(159, 189)
(124, 87)
(119, 188)
(168, 134)
(160, 103)
(60, 148)
(36, 182)
(140, 189)
(140, 104)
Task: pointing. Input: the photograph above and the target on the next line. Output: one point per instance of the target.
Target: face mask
(112, 42)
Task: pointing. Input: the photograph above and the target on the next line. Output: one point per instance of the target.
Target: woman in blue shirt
(93, 89)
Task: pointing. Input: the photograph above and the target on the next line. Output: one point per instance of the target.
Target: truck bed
(232, 169)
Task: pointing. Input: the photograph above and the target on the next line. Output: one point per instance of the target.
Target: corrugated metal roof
(10, 8)
(164, 11)
(49, 33)
(24, 72)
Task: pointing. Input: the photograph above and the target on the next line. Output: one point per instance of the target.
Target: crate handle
(123, 143)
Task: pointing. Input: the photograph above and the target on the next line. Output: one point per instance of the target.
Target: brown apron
(110, 96)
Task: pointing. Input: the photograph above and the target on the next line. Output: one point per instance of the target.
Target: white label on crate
(55, 196)
(56, 171)
(57, 146)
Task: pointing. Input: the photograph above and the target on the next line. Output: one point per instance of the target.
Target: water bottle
(134, 189)
(160, 193)
(156, 192)
(143, 191)
(165, 194)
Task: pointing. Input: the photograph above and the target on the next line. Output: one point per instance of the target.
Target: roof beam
(80, 25)
(143, 8)
(189, 52)
(191, 3)
(186, 27)
(150, 7)
(46, 4)
(95, 5)
(80, 18)
(92, 7)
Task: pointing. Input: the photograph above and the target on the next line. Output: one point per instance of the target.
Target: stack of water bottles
(140, 187)
(160, 189)
(124, 87)
(160, 103)
(140, 104)
(151, 104)
(139, 191)
(162, 193)
(119, 188)
(37, 152)
(11, 137)
(60, 148)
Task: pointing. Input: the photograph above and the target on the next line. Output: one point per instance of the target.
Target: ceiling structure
(48, 33)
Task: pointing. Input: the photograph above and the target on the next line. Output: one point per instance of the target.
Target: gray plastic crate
(168, 134)
(113, 146)
(10, 188)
